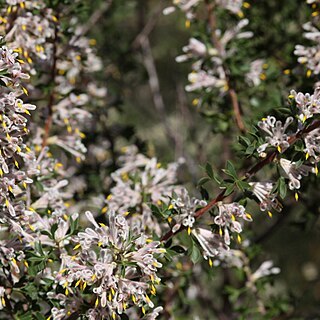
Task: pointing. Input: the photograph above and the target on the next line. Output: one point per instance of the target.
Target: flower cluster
(212, 74)
(186, 208)
(14, 153)
(227, 219)
(115, 264)
(139, 181)
(277, 136)
(309, 56)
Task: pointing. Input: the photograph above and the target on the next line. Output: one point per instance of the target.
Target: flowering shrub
(97, 223)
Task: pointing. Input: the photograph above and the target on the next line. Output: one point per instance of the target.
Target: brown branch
(93, 20)
(217, 44)
(257, 167)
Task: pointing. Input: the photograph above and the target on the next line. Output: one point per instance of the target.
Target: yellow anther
(248, 215)
(287, 71)
(210, 262)
(66, 291)
(263, 76)
(26, 264)
(279, 149)
(195, 102)
(77, 283)
(104, 209)
(153, 290)
(25, 90)
(143, 310)
(233, 218)
(169, 219)
(109, 296)
(159, 202)
(270, 214)
(84, 286)
(239, 238)
(189, 231)
(97, 302)
(3, 301)
(92, 42)
(54, 18)
(112, 291)
(240, 14)
(246, 5)
(188, 24)
(296, 196)
(316, 170)
(158, 165)
(220, 232)
(309, 73)
(77, 246)
(134, 299)
(307, 156)
(109, 197)
(24, 184)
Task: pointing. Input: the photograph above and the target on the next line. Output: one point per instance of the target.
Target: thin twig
(95, 17)
(217, 44)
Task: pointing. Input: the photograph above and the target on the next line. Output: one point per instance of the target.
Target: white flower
(312, 143)
(211, 243)
(263, 191)
(307, 104)
(186, 208)
(265, 269)
(276, 131)
(294, 172)
(253, 77)
(226, 219)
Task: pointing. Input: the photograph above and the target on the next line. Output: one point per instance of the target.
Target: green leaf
(203, 180)
(231, 169)
(282, 188)
(209, 170)
(195, 254)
